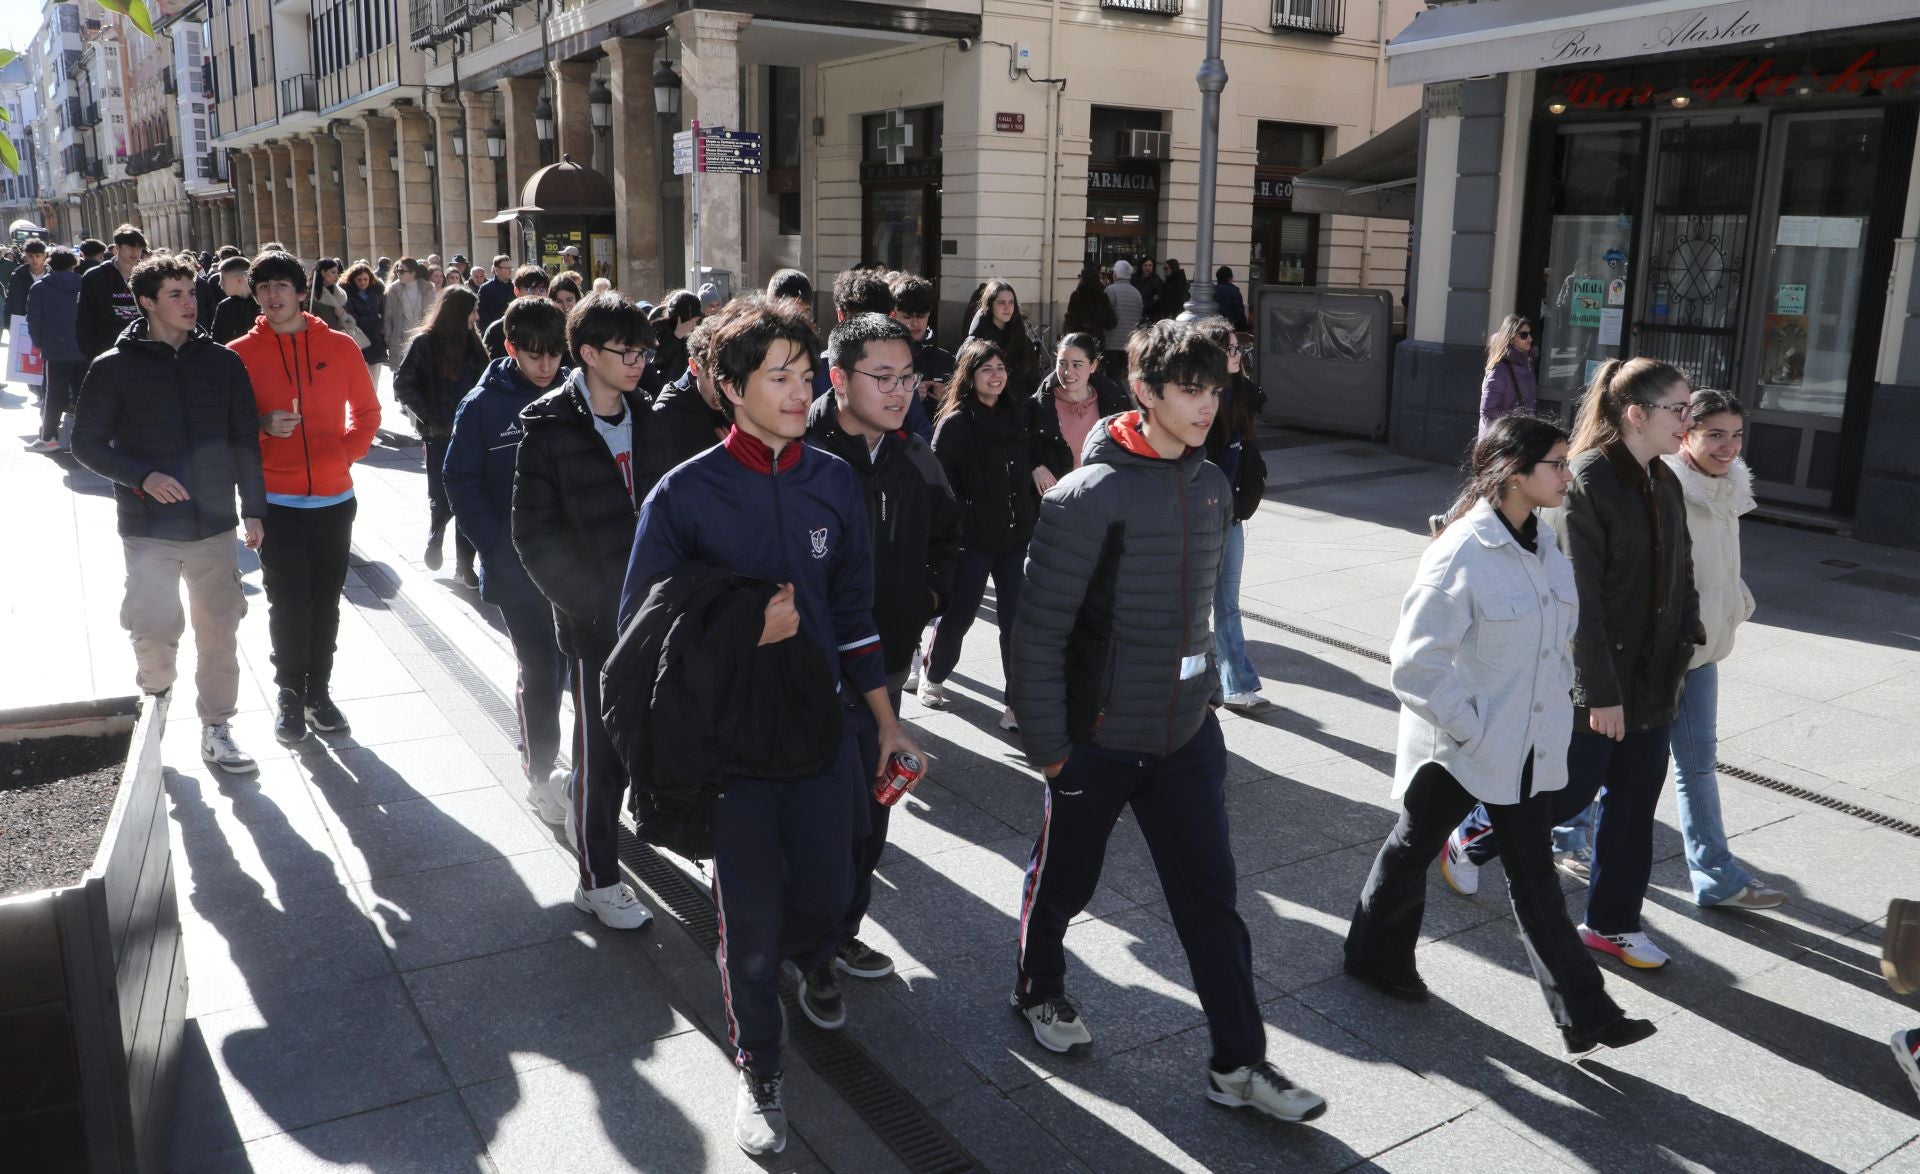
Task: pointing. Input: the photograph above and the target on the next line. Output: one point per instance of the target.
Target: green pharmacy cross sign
(894, 136)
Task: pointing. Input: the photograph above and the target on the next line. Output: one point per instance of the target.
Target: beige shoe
(1900, 946)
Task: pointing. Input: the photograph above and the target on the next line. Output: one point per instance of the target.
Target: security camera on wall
(966, 44)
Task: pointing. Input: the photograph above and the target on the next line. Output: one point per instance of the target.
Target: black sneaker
(1618, 1034)
(290, 728)
(857, 958)
(325, 716)
(820, 998)
(433, 557)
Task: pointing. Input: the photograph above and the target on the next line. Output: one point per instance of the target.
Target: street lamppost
(600, 112)
(431, 156)
(543, 127)
(666, 89)
(497, 151)
(1212, 79)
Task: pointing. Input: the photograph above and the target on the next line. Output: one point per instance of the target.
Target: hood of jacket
(66, 281)
(266, 332)
(1117, 440)
(1723, 497)
(503, 376)
(567, 403)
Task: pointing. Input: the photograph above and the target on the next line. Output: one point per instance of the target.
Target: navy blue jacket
(495, 296)
(479, 477)
(804, 523)
(53, 316)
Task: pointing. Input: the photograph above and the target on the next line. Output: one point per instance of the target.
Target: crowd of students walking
(738, 550)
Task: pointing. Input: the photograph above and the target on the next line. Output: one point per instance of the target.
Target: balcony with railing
(150, 158)
(74, 111)
(90, 114)
(167, 84)
(1158, 7)
(1327, 17)
(423, 22)
(298, 93)
(456, 16)
(70, 62)
(488, 9)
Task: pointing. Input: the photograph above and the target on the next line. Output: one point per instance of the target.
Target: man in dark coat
(53, 304)
(496, 292)
(107, 303)
(168, 416)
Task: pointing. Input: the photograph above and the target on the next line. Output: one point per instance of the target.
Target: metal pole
(699, 165)
(1212, 78)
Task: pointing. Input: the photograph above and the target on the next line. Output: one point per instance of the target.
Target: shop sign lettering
(1101, 179)
(1761, 78)
(1278, 190)
(1692, 31)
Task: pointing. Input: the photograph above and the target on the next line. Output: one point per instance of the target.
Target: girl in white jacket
(1718, 488)
(1483, 669)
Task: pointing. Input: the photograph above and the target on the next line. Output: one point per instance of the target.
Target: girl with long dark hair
(1000, 322)
(1625, 531)
(444, 361)
(367, 304)
(1088, 310)
(983, 439)
(1481, 667)
(1233, 444)
(1072, 399)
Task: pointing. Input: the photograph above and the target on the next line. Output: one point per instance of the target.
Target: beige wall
(1001, 191)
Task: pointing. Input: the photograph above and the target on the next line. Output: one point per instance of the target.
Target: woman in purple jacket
(1508, 385)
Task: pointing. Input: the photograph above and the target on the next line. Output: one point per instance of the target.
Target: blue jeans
(1575, 835)
(1237, 674)
(1696, 789)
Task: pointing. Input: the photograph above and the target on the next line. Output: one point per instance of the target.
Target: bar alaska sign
(1852, 73)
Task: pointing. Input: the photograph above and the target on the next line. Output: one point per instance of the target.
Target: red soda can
(902, 771)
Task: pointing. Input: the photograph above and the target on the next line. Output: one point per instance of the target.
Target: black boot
(1618, 1034)
(324, 715)
(290, 728)
(433, 557)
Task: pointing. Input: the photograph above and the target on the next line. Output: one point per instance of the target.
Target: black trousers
(1009, 573)
(867, 847)
(439, 509)
(1180, 802)
(1386, 923)
(303, 562)
(60, 386)
(1627, 776)
(536, 698)
(599, 779)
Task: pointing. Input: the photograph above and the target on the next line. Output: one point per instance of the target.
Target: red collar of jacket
(755, 455)
(1126, 428)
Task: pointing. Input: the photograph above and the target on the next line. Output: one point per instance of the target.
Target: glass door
(1698, 246)
(1803, 324)
(1595, 187)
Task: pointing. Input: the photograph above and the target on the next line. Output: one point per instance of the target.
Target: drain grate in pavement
(900, 1121)
(1868, 814)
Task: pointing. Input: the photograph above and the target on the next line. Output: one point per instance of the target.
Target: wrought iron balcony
(1159, 7)
(1328, 17)
(299, 92)
(90, 114)
(487, 9)
(423, 22)
(456, 16)
(74, 112)
(150, 159)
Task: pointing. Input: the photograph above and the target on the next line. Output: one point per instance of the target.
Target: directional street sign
(717, 150)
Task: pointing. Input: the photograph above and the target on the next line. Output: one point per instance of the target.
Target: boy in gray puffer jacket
(1113, 678)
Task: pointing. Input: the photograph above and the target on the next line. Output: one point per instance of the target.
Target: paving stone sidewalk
(499, 1002)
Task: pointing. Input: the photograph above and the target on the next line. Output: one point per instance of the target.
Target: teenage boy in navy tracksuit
(479, 481)
(764, 504)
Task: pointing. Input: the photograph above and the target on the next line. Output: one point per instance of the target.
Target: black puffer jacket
(682, 426)
(1624, 528)
(915, 523)
(1118, 601)
(987, 454)
(425, 395)
(107, 307)
(1049, 445)
(692, 700)
(1238, 428)
(573, 519)
(190, 414)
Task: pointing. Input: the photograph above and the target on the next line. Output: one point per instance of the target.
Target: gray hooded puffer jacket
(1113, 642)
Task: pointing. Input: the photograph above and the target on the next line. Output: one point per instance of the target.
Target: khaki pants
(152, 615)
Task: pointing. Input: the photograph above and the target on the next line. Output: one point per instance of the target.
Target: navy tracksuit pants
(1180, 802)
(871, 841)
(536, 695)
(598, 782)
(783, 859)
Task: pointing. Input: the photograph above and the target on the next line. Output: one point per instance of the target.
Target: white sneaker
(759, 1118)
(932, 694)
(1635, 949)
(1262, 1089)
(1754, 896)
(912, 684)
(1462, 875)
(1009, 722)
(44, 446)
(1056, 1023)
(551, 809)
(217, 749)
(1247, 702)
(615, 906)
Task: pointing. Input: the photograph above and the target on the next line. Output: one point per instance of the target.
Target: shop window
(783, 116)
(789, 213)
(1107, 126)
(1288, 144)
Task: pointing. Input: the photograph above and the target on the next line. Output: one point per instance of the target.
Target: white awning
(1376, 178)
(1514, 36)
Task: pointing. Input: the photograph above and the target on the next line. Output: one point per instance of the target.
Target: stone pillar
(282, 193)
(572, 121)
(333, 228)
(636, 185)
(360, 226)
(306, 204)
(519, 96)
(455, 218)
(383, 190)
(413, 135)
(483, 190)
(710, 63)
(240, 171)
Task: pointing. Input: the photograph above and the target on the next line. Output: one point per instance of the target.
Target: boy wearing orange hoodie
(318, 415)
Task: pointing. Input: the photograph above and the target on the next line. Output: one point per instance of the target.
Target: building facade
(20, 190)
(1730, 189)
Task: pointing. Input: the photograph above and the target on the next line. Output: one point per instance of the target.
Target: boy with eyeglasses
(576, 497)
(916, 527)
(479, 481)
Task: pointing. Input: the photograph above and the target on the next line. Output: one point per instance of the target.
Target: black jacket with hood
(573, 516)
(682, 426)
(691, 700)
(915, 524)
(987, 454)
(1113, 642)
(1239, 425)
(106, 307)
(190, 414)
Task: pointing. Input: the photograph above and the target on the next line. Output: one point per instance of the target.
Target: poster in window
(1589, 298)
(601, 253)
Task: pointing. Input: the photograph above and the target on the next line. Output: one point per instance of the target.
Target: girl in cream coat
(1718, 488)
(1482, 666)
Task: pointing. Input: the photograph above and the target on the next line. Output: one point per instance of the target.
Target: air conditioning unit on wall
(1145, 144)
